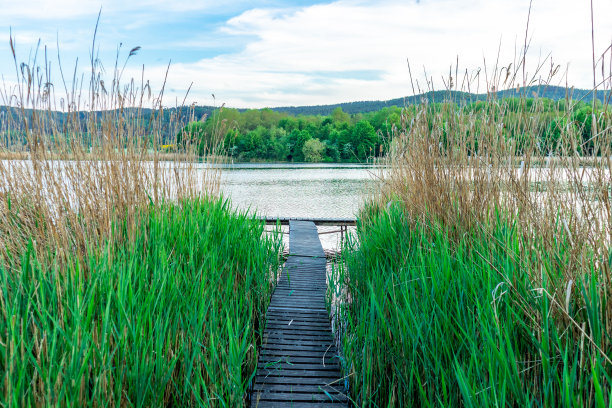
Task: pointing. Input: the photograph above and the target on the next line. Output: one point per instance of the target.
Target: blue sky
(274, 53)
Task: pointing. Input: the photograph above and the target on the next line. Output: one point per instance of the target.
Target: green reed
(481, 271)
(427, 320)
(170, 317)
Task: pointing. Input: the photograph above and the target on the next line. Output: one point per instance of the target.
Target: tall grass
(92, 155)
(124, 280)
(482, 271)
(172, 318)
(437, 321)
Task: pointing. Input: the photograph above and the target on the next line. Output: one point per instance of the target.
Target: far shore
(162, 156)
(534, 161)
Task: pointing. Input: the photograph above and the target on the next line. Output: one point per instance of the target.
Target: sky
(285, 53)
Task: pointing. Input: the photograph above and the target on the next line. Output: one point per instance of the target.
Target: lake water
(300, 190)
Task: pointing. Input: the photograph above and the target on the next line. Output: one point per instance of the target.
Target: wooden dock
(334, 222)
(298, 362)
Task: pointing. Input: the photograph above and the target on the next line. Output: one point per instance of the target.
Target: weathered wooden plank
(327, 360)
(331, 364)
(297, 301)
(306, 314)
(293, 319)
(298, 317)
(280, 331)
(290, 334)
(300, 380)
(301, 397)
(298, 322)
(321, 352)
(275, 404)
(298, 309)
(294, 293)
(293, 298)
(323, 374)
(297, 325)
(333, 222)
(297, 336)
(306, 346)
(274, 365)
(291, 331)
(271, 342)
(299, 388)
(280, 338)
(310, 278)
(288, 329)
(310, 283)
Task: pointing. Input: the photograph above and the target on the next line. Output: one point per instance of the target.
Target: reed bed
(125, 280)
(481, 273)
(87, 157)
(170, 317)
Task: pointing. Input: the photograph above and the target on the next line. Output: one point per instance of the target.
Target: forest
(268, 135)
(265, 135)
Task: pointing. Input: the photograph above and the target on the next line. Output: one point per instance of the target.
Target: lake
(300, 190)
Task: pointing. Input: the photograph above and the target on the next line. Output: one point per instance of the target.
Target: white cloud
(310, 55)
(290, 47)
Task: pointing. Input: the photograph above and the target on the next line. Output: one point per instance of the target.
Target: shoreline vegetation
(265, 135)
(464, 285)
(124, 282)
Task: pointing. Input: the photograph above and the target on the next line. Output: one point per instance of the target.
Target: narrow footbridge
(298, 362)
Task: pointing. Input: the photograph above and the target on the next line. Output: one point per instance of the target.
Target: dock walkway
(298, 362)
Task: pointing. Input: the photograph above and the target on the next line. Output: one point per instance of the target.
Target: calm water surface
(299, 190)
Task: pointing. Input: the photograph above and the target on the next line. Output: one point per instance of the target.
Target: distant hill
(540, 91)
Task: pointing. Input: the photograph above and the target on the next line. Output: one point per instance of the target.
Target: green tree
(313, 150)
(296, 140)
(288, 124)
(332, 153)
(348, 151)
(339, 116)
(222, 120)
(278, 139)
(365, 138)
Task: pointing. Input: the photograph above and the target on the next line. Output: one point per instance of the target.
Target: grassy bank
(171, 317)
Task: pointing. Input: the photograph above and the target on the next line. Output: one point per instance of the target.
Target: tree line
(272, 135)
(268, 135)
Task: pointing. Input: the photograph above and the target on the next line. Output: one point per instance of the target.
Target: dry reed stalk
(463, 168)
(67, 176)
